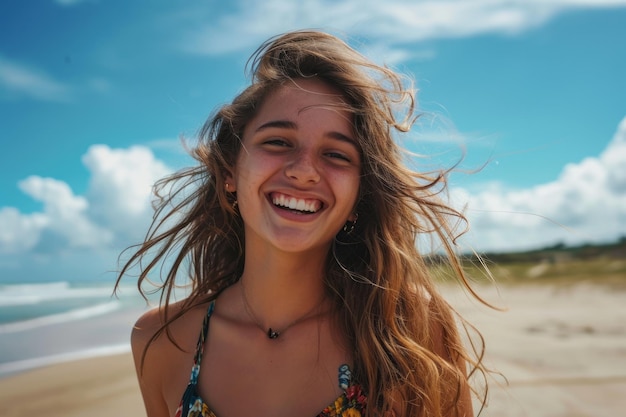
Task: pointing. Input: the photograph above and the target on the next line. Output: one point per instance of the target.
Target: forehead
(304, 99)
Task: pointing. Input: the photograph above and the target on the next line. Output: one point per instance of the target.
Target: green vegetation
(561, 253)
(559, 264)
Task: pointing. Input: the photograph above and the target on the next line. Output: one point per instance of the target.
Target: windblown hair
(381, 284)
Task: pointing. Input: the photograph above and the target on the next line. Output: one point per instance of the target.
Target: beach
(562, 349)
(97, 387)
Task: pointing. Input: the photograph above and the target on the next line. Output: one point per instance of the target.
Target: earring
(348, 228)
(227, 188)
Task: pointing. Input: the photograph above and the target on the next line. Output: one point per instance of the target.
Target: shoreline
(560, 347)
(25, 349)
(17, 367)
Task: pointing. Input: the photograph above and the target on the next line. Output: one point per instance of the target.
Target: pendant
(272, 334)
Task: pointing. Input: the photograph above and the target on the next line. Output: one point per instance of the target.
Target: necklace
(271, 333)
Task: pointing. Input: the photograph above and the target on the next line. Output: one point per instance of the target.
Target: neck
(274, 332)
(298, 286)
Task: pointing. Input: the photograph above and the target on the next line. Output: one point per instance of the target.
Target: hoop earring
(234, 204)
(348, 228)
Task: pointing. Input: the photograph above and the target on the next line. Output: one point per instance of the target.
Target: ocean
(46, 323)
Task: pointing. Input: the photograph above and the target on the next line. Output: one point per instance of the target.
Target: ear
(229, 182)
(354, 214)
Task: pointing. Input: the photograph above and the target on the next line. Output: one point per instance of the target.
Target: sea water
(51, 322)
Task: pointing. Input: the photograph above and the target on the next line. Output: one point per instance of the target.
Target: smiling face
(298, 171)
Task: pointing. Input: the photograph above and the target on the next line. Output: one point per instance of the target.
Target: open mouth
(298, 205)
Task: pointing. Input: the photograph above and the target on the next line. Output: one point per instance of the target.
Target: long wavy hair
(382, 286)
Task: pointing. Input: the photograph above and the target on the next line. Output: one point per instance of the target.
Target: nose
(303, 168)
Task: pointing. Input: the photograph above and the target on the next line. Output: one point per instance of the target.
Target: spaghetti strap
(197, 359)
(191, 397)
(352, 400)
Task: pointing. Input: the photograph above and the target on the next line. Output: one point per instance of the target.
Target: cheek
(350, 192)
(245, 173)
(353, 183)
(250, 176)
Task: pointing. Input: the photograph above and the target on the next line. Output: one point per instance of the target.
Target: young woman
(298, 230)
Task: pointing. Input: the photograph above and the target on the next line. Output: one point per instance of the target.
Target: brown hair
(382, 286)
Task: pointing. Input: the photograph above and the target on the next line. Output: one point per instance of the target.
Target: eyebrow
(287, 124)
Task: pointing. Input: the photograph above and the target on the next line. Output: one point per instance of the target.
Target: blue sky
(94, 96)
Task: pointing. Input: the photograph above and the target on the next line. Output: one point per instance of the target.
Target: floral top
(351, 403)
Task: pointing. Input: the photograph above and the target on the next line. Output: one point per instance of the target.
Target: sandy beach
(98, 387)
(562, 349)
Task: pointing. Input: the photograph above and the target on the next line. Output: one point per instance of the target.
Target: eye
(339, 156)
(278, 142)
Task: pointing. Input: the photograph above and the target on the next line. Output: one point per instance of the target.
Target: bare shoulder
(146, 326)
(162, 382)
(149, 328)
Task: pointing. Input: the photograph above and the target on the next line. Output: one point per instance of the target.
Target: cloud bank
(398, 22)
(114, 213)
(585, 204)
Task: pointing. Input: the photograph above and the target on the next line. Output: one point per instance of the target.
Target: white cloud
(66, 215)
(398, 22)
(19, 232)
(17, 80)
(586, 203)
(63, 223)
(121, 187)
(115, 212)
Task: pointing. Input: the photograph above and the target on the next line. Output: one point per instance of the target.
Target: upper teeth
(295, 203)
